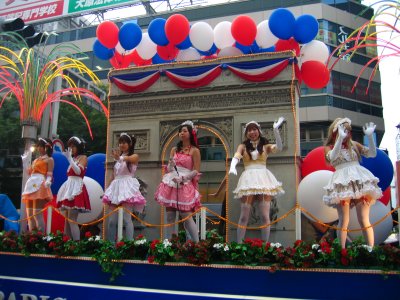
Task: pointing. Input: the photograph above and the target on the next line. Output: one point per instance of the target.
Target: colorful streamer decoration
(368, 35)
(29, 73)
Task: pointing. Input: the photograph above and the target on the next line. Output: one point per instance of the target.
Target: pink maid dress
(124, 189)
(184, 196)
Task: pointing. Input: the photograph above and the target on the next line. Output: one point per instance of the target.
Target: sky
(390, 86)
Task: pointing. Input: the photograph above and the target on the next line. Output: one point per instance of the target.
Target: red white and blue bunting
(199, 76)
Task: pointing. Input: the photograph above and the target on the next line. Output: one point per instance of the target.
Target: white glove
(72, 163)
(26, 159)
(278, 140)
(47, 183)
(369, 129)
(342, 133)
(171, 165)
(278, 123)
(254, 154)
(189, 176)
(232, 169)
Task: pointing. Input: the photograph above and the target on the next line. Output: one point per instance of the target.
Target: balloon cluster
(316, 173)
(175, 39)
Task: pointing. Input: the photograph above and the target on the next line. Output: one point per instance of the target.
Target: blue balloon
(61, 165)
(282, 23)
(185, 44)
(96, 168)
(156, 31)
(101, 51)
(381, 167)
(130, 35)
(269, 49)
(158, 60)
(305, 29)
(209, 52)
(253, 48)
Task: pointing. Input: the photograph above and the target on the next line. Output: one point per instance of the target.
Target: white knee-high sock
(265, 220)
(243, 220)
(171, 218)
(190, 226)
(127, 219)
(74, 228)
(112, 226)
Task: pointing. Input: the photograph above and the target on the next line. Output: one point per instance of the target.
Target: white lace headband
(76, 139)
(252, 123)
(340, 122)
(189, 123)
(45, 142)
(125, 134)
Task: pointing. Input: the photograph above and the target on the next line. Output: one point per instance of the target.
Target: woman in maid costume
(124, 188)
(256, 183)
(178, 191)
(73, 197)
(351, 184)
(37, 190)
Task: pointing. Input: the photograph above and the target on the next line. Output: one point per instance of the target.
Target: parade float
(220, 77)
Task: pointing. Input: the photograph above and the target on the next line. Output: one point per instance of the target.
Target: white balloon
(202, 36)
(222, 35)
(310, 193)
(229, 51)
(188, 55)
(121, 50)
(377, 212)
(314, 50)
(146, 48)
(264, 37)
(95, 192)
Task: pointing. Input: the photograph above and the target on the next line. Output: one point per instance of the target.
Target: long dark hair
(131, 141)
(79, 143)
(192, 140)
(249, 145)
(47, 144)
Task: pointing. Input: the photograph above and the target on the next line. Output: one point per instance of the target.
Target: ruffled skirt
(352, 181)
(183, 197)
(125, 190)
(36, 190)
(257, 180)
(73, 195)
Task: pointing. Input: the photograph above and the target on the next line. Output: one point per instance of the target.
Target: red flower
(150, 259)
(344, 252)
(66, 238)
(52, 245)
(120, 244)
(153, 244)
(88, 234)
(140, 236)
(344, 261)
(297, 243)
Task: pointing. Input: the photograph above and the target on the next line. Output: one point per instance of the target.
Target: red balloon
(290, 44)
(168, 52)
(386, 196)
(177, 28)
(138, 60)
(107, 34)
(120, 61)
(315, 74)
(315, 161)
(57, 220)
(244, 30)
